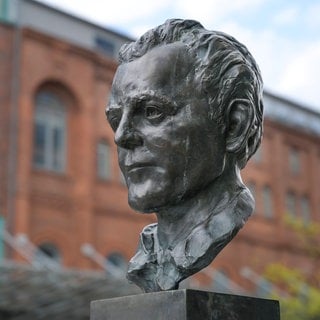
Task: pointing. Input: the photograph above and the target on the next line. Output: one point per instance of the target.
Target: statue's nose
(126, 136)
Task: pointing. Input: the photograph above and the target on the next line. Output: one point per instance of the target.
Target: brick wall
(6, 100)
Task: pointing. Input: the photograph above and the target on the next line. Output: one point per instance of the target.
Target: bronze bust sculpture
(186, 108)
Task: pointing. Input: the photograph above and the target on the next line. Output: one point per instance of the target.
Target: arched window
(103, 161)
(47, 250)
(49, 132)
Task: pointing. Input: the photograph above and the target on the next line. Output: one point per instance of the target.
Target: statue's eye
(153, 112)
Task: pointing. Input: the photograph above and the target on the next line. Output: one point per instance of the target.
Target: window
(294, 161)
(305, 209)
(103, 161)
(105, 45)
(47, 253)
(49, 132)
(267, 202)
(291, 204)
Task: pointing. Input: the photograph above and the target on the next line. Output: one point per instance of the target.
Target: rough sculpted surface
(186, 110)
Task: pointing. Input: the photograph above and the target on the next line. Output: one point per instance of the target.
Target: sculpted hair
(224, 71)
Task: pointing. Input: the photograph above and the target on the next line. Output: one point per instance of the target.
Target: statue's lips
(138, 167)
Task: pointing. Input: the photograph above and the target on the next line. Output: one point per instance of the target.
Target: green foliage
(299, 300)
(298, 293)
(301, 227)
(307, 233)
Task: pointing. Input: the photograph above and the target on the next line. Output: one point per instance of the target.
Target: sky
(282, 35)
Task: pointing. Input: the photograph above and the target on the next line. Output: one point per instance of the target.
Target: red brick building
(61, 189)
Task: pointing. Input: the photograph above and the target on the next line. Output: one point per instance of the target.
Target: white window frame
(50, 113)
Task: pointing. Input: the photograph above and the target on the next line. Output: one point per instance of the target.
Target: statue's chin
(141, 205)
(149, 202)
(147, 196)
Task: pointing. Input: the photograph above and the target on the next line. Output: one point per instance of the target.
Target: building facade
(61, 189)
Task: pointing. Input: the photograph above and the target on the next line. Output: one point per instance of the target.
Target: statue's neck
(177, 222)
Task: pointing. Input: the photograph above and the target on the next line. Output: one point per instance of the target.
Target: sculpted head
(186, 108)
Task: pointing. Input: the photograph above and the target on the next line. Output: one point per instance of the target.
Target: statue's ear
(239, 121)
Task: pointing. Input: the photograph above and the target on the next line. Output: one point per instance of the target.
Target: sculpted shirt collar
(155, 269)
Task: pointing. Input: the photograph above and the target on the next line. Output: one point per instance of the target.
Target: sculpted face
(168, 148)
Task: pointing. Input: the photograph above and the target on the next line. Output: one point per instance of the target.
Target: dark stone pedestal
(185, 305)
